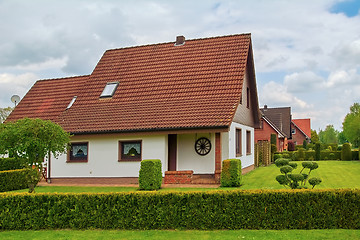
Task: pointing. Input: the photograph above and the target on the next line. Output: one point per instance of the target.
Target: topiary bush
(150, 175)
(346, 154)
(231, 173)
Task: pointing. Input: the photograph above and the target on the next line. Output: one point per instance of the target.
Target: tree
(314, 136)
(33, 139)
(329, 135)
(351, 125)
(4, 113)
(341, 137)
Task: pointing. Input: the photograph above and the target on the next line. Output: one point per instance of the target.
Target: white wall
(246, 160)
(103, 157)
(188, 159)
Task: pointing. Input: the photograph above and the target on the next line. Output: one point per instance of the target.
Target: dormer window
(109, 89)
(72, 102)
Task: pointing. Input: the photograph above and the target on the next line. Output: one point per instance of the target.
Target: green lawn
(184, 235)
(334, 174)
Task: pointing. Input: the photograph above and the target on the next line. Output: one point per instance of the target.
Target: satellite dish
(15, 99)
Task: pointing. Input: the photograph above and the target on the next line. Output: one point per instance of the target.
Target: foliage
(351, 126)
(290, 179)
(301, 154)
(346, 154)
(33, 139)
(329, 135)
(341, 137)
(150, 176)
(11, 164)
(273, 138)
(231, 173)
(238, 209)
(4, 113)
(317, 151)
(314, 136)
(17, 179)
(291, 146)
(305, 143)
(314, 181)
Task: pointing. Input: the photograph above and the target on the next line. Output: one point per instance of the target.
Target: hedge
(257, 209)
(231, 173)
(11, 164)
(14, 179)
(150, 175)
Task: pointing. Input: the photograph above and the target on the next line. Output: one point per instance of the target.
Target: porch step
(203, 179)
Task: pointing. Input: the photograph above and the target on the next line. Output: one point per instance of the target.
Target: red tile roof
(47, 99)
(161, 87)
(303, 125)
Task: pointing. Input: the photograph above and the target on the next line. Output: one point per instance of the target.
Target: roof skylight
(109, 89)
(72, 102)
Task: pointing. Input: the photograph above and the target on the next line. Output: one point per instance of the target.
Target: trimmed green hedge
(150, 175)
(231, 173)
(14, 179)
(259, 209)
(11, 164)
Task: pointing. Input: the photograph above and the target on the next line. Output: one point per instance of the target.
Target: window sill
(76, 161)
(238, 155)
(129, 160)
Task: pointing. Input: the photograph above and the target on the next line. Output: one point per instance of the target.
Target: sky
(306, 52)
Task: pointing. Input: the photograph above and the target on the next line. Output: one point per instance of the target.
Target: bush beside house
(16, 179)
(231, 173)
(150, 176)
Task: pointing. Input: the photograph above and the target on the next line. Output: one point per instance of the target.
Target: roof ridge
(186, 40)
(60, 78)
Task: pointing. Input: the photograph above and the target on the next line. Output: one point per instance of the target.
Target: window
(130, 151)
(109, 89)
(78, 152)
(238, 142)
(72, 102)
(247, 97)
(248, 142)
(293, 131)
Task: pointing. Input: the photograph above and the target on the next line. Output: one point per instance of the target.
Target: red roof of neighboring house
(303, 125)
(161, 87)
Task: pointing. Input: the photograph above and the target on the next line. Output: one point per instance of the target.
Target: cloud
(15, 84)
(274, 94)
(303, 82)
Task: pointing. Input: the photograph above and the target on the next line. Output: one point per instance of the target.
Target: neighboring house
(266, 129)
(277, 121)
(300, 130)
(190, 104)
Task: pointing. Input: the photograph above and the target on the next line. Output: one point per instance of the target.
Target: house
(263, 133)
(189, 103)
(300, 131)
(275, 121)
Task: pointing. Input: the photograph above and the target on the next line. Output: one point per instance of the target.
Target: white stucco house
(189, 103)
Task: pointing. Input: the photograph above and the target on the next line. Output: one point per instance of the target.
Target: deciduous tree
(33, 139)
(351, 125)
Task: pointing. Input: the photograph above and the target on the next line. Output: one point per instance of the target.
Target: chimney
(265, 106)
(180, 40)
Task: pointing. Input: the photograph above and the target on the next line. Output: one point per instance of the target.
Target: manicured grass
(184, 235)
(334, 174)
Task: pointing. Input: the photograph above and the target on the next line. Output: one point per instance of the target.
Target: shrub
(213, 210)
(150, 175)
(355, 154)
(317, 151)
(314, 181)
(16, 179)
(273, 138)
(300, 156)
(282, 162)
(346, 154)
(11, 164)
(277, 156)
(305, 143)
(231, 173)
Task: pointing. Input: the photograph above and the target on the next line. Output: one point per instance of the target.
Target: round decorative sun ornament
(202, 146)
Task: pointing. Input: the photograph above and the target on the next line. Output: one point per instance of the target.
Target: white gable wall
(246, 160)
(103, 155)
